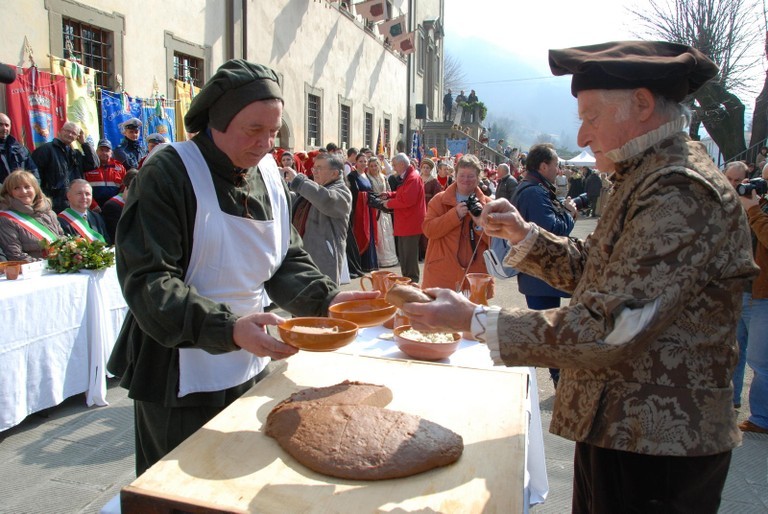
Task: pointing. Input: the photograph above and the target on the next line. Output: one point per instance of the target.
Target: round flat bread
(400, 294)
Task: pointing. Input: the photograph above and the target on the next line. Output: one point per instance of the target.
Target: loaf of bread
(344, 431)
(399, 294)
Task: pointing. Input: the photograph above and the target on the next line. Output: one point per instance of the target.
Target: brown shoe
(748, 426)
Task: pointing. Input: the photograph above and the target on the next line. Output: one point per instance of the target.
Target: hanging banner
(158, 119)
(115, 109)
(456, 146)
(185, 92)
(81, 95)
(36, 103)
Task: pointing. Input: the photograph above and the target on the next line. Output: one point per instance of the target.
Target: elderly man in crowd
(736, 172)
(646, 345)
(507, 183)
(78, 219)
(321, 212)
(409, 208)
(59, 163)
(13, 155)
(131, 152)
(205, 235)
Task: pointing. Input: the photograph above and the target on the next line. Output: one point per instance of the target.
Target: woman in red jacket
(455, 239)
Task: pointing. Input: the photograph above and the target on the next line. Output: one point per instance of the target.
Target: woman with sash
(26, 218)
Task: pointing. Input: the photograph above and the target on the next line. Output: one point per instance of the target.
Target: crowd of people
(642, 356)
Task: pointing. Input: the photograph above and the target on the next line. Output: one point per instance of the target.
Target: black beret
(671, 70)
(236, 84)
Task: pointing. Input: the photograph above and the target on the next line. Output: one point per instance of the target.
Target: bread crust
(400, 294)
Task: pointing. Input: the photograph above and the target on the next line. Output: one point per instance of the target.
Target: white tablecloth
(56, 332)
(379, 342)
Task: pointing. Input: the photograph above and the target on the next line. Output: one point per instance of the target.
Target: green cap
(236, 84)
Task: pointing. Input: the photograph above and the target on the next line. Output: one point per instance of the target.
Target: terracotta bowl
(365, 313)
(291, 334)
(425, 351)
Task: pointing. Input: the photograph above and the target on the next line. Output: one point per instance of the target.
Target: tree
(726, 31)
(454, 77)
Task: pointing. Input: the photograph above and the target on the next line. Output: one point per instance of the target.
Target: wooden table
(231, 466)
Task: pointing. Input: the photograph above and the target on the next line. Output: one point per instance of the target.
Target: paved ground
(72, 459)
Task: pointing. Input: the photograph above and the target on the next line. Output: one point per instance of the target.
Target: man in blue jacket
(536, 200)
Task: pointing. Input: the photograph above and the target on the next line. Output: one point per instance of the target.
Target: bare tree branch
(454, 77)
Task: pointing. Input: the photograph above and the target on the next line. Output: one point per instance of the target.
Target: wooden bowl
(297, 332)
(422, 350)
(365, 313)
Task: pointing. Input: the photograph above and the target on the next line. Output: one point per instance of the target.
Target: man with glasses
(59, 163)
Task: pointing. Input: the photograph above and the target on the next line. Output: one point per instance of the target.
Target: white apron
(231, 259)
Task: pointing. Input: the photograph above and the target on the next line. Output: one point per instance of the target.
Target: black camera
(474, 205)
(758, 185)
(581, 202)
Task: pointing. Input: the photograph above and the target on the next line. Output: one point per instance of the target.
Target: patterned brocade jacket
(647, 342)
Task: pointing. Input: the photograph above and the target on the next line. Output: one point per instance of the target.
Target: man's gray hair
(666, 108)
(402, 158)
(79, 181)
(501, 167)
(333, 160)
(739, 165)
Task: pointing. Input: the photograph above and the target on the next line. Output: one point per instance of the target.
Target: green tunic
(153, 248)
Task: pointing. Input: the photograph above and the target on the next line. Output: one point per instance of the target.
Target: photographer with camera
(456, 242)
(754, 318)
(537, 202)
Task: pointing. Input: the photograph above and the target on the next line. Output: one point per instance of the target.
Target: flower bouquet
(73, 253)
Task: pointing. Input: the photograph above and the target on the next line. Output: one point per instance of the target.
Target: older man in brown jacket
(646, 345)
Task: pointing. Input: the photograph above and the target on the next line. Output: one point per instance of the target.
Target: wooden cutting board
(230, 465)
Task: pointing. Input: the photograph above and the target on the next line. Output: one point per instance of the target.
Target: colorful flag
(380, 142)
(393, 29)
(406, 44)
(115, 109)
(185, 92)
(36, 103)
(81, 95)
(416, 146)
(372, 10)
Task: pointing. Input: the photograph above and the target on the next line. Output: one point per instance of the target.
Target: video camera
(758, 185)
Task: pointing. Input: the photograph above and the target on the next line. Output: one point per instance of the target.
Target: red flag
(37, 106)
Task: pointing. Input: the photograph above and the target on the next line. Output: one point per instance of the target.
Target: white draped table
(56, 333)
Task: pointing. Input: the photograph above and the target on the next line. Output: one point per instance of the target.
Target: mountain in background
(527, 103)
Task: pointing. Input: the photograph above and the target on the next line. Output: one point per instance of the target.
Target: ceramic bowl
(297, 332)
(365, 313)
(425, 351)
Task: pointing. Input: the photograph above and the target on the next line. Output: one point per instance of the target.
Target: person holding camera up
(456, 242)
(537, 202)
(755, 307)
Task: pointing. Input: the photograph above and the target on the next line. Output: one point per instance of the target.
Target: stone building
(341, 79)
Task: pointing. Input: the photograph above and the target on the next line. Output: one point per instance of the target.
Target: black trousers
(613, 481)
(159, 429)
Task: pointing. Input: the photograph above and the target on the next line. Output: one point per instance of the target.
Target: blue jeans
(742, 335)
(757, 358)
(542, 303)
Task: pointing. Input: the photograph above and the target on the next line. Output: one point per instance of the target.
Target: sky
(503, 47)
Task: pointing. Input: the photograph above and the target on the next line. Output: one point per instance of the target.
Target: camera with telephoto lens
(758, 185)
(581, 202)
(474, 205)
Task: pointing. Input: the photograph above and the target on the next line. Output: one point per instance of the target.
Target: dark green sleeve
(154, 242)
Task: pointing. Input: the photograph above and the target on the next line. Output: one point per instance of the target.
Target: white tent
(583, 159)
